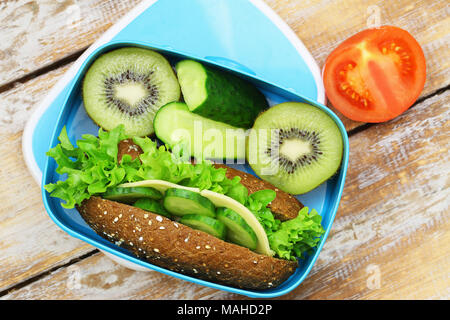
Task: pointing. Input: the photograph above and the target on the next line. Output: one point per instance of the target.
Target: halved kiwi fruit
(295, 146)
(127, 86)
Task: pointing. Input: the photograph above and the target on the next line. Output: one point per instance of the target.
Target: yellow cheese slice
(159, 185)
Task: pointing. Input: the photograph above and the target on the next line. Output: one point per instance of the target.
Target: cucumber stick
(204, 138)
(219, 95)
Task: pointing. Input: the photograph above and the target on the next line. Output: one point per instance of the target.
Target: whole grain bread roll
(179, 248)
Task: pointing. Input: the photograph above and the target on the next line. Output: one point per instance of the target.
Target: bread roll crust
(179, 248)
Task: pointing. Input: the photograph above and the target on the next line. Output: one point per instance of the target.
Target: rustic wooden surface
(391, 233)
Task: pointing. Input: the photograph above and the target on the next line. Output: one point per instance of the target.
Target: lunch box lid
(43, 128)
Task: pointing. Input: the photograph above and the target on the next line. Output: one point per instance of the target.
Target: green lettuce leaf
(297, 236)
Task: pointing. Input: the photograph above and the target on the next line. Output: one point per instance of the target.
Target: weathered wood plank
(30, 243)
(34, 34)
(19, 102)
(389, 241)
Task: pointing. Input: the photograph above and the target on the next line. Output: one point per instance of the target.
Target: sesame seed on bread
(179, 248)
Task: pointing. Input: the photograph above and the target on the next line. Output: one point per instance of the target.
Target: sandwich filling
(91, 168)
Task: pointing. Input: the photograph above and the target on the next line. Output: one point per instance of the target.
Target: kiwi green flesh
(127, 86)
(297, 147)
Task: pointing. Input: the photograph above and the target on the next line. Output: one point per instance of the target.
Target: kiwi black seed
(290, 165)
(295, 146)
(127, 86)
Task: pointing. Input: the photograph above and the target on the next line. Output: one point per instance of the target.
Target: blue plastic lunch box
(68, 110)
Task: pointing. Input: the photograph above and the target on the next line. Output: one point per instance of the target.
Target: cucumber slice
(206, 224)
(204, 138)
(221, 200)
(219, 95)
(129, 195)
(151, 205)
(238, 231)
(181, 202)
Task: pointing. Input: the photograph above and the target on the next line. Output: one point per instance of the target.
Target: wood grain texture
(98, 277)
(30, 243)
(19, 102)
(34, 34)
(389, 240)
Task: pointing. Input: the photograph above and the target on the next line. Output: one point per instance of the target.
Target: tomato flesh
(375, 75)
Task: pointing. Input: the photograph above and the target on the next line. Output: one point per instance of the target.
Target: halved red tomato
(375, 75)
